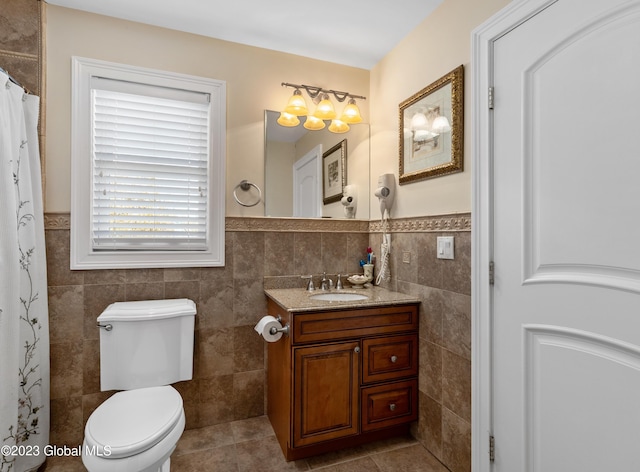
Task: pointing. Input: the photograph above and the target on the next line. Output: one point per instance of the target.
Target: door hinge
(492, 449)
(492, 273)
(490, 98)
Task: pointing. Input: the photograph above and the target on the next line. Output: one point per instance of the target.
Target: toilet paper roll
(264, 326)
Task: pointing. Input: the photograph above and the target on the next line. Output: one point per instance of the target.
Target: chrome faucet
(310, 286)
(339, 283)
(325, 283)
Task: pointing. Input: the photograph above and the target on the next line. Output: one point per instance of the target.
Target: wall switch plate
(406, 257)
(445, 247)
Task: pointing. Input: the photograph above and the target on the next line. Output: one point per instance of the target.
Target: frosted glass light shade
(351, 113)
(288, 120)
(313, 123)
(297, 104)
(419, 121)
(325, 110)
(441, 125)
(338, 126)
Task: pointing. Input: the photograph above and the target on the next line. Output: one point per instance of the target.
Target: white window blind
(150, 167)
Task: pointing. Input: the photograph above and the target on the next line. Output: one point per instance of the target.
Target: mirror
(301, 167)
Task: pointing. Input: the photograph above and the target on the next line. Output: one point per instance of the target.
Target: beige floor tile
(218, 459)
(252, 428)
(265, 455)
(209, 437)
(408, 459)
(364, 464)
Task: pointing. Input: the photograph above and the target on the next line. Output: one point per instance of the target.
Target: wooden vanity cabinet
(342, 377)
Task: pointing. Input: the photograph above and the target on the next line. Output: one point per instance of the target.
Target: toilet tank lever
(108, 327)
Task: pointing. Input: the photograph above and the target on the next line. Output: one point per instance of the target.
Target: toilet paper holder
(283, 330)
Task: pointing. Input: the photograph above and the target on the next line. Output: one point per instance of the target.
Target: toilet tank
(150, 343)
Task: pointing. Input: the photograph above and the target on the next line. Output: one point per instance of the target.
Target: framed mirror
(431, 129)
(294, 170)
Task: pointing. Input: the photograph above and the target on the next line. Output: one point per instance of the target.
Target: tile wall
(444, 288)
(229, 372)
(229, 359)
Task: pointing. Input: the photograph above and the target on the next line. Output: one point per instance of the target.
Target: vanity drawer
(344, 324)
(389, 358)
(389, 404)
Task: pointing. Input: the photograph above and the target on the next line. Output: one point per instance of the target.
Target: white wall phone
(386, 193)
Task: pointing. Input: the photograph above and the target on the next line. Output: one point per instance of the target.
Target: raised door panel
(388, 358)
(389, 404)
(326, 388)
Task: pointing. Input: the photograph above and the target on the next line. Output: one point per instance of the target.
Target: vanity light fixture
(297, 105)
(325, 110)
(288, 120)
(338, 126)
(314, 124)
(351, 113)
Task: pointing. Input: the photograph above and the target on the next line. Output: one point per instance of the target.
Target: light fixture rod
(313, 92)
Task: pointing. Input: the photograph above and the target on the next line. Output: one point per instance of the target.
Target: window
(147, 168)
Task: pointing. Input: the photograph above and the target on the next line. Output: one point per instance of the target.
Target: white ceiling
(357, 33)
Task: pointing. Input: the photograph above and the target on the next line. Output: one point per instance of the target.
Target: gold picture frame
(432, 128)
(334, 172)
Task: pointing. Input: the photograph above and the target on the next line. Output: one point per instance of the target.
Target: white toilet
(144, 347)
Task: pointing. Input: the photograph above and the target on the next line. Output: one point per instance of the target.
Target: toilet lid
(132, 421)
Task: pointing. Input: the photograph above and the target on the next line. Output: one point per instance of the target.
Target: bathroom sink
(338, 297)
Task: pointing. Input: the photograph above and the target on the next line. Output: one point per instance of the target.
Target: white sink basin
(338, 297)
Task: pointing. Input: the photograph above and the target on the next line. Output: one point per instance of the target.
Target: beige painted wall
(253, 77)
(437, 46)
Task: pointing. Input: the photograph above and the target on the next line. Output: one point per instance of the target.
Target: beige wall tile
(456, 442)
(278, 254)
(20, 32)
(248, 394)
(66, 313)
(66, 369)
(456, 384)
(66, 416)
(217, 400)
(248, 349)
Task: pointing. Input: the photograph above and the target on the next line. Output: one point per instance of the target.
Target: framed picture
(431, 129)
(334, 172)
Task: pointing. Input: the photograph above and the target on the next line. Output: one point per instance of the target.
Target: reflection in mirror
(295, 173)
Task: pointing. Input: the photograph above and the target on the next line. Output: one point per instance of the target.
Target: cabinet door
(326, 392)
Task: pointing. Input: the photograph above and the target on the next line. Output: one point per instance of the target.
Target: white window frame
(83, 256)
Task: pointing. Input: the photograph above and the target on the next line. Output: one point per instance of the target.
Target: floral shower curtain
(24, 314)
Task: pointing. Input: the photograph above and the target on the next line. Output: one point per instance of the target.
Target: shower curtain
(24, 314)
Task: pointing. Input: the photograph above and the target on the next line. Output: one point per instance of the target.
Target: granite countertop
(298, 299)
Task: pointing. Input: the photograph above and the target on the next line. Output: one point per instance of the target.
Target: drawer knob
(394, 359)
(356, 349)
(392, 407)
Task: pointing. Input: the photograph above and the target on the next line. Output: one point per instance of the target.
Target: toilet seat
(132, 421)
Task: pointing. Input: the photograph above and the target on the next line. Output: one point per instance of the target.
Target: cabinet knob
(356, 349)
(392, 406)
(394, 359)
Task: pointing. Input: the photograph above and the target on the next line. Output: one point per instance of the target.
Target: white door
(306, 184)
(564, 233)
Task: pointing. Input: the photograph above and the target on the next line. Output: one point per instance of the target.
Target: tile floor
(251, 446)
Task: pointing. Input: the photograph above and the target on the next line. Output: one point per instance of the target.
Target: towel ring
(245, 185)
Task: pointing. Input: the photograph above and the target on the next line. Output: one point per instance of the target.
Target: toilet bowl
(134, 431)
(144, 346)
